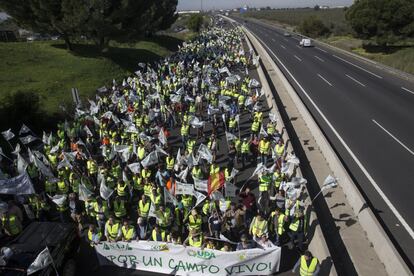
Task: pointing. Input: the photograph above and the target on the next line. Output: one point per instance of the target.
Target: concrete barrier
(317, 244)
(383, 246)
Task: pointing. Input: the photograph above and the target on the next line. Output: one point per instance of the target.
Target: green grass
(49, 70)
(334, 19)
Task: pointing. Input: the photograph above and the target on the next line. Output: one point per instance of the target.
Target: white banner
(19, 185)
(178, 260)
(184, 189)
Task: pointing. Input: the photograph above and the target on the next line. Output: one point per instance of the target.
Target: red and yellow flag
(215, 182)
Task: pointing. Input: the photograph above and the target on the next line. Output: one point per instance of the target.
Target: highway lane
(371, 110)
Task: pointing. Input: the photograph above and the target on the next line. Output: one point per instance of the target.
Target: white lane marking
(273, 40)
(298, 58)
(359, 67)
(319, 58)
(321, 49)
(395, 138)
(325, 80)
(285, 39)
(408, 90)
(299, 47)
(360, 83)
(363, 169)
(295, 38)
(283, 46)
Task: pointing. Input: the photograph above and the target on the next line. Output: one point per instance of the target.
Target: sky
(227, 4)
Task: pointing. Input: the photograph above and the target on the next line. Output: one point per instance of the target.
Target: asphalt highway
(367, 114)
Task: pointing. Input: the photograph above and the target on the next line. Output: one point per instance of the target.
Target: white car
(305, 42)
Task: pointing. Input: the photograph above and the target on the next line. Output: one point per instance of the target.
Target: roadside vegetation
(381, 30)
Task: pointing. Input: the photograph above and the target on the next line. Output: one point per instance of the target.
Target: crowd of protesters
(118, 168)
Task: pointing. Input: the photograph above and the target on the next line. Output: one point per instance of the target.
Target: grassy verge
(46, 69)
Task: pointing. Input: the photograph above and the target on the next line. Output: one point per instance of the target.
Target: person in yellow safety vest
(280, 148)
(62, 187)
(278, 177)
(155, 197)
(121, 188)
(119, 207)
(50, 187)
(258, 115)
(112, 230)
(255, 127)
(164, 217)
(240, 102)
(245, 150)
(214, 168)
(141, 152)
(74, 182)
(277, 221)
(264, 149)
(185, 130)
(307, 264)
(170, 161)
(190, 145)
(194, 221)
(11, 224)
(297, 230)
(94, 235)
(271, 128)
(158, 234)
(232, 124)
(174, 238)
(38, 206)
(91, 166)
(145, 174)
(148, 189)
(196, 172)
(265, 180)
(187, 201)
(194, 239)
(100, 208)
(137, 183)
(128, 232)
(143, 207)
(258, 227)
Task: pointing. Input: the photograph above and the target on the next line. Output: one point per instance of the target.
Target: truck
(61, 239)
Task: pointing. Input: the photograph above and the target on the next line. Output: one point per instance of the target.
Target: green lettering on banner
(250, 268)
(122, 259)
(216, 269)
(158, 261)
(203, 267)
(270, 266)
(261, 269)
(240, 269)
(169, 264)
(111, 257)
(191, 267)
(229, 271)
(147, 263)
(180, 266)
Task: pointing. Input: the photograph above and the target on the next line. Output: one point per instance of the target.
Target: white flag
(162, 138)
(16, 149)
(24, 129)
(200, 198)
(273, 117)
(43, 260)
(54, 149)
(135, 167)
(254, 83)
(230, 136)
(160, 150)
(196, 123)
(205, 153)
(8, 134)
(27, 139)
(88, 131)
(330, 182)
(42, 167)
(201, 185)
(105, 191)
(184, 189)
(58, 199)
(84, 193)
(21, 164)
(230, 189)
(150, 159)
(259, 169)
(263, 132)
(183, 175)
(169, 198)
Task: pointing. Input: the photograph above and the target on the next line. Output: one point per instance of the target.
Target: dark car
(61, 239)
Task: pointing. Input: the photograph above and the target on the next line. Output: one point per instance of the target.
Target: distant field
(334, 19)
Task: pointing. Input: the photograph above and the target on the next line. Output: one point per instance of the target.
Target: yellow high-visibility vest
(306, 270)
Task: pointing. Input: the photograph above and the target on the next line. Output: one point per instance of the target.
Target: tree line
(98, 20)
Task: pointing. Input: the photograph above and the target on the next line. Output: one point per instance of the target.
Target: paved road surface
(371, 111)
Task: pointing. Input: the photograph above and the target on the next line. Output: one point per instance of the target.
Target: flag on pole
(215, 182)
(21, 164)
(262, 131)
(162, 138)
(150, 159)
(84, 193)
(105, 191)
(135, 167)
(24, 129)
(330, 182)
(200, 198)
(8, 134)
(16, 149)
(201, 185)
(230, 136)
(43, 260)
(27, 139)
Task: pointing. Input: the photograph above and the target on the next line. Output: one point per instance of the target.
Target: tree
(99, 20)
(386, 21)
(194, 22)
(313, 27)
(316, 8)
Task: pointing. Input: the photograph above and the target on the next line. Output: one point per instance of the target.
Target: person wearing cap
(244, 243)
(309, 265)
